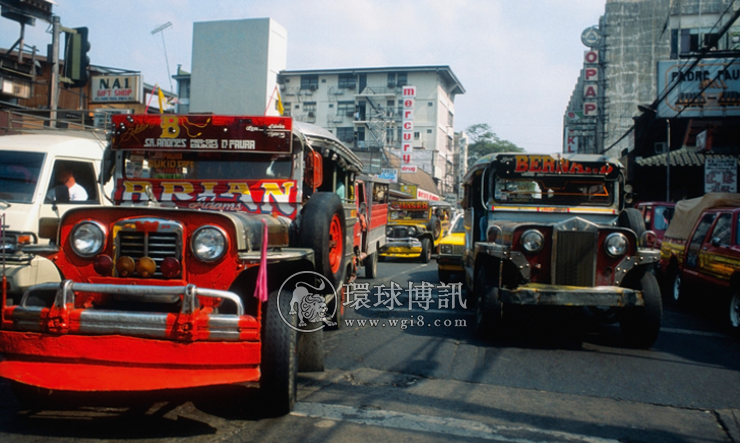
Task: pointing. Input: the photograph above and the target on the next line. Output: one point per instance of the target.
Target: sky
(518, 60)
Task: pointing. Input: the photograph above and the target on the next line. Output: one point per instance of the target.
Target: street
(547, 379)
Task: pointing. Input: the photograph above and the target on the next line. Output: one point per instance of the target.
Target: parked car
(553, 231)
(657, 217)
(700, 255)
(31, 195)
(449, 259)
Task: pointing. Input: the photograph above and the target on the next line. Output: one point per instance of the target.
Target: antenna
(160, 29)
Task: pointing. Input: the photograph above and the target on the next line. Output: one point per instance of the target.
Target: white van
(30, 167)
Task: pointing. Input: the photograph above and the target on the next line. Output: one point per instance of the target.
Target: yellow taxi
(449, 259)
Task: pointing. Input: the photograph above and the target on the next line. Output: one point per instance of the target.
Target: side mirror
(314, 173)
(716, 241)
(628, 196)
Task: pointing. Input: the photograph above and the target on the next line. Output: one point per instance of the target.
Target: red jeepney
(179, 284)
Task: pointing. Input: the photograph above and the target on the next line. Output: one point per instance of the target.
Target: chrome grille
(157, 244)
(400, 232)
(574, 257)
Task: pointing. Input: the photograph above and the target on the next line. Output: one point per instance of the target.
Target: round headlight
(445, 249)
(616, 244)
(87, 238)
(533, 241)
(208, 243)
(412, 231)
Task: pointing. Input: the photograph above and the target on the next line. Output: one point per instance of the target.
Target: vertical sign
(407, 133)
(571, 141)
(590, 88)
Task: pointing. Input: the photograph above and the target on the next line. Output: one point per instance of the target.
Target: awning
(680, 157)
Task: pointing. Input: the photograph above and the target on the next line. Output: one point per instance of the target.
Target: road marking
(690, 332)
(438, 425)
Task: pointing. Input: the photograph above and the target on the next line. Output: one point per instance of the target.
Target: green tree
(483, 141)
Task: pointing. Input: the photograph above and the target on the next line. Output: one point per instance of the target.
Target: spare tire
(632, 218)
(323, 229)
(435, 227)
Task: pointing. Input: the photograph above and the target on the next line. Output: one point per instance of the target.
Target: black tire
(677, 294)
(336, 306)
(435, 227)
(641, 325)
(317, 229)
(279, 357)
(444, 276)
(632, 218)
(311, 350)
(488, 311)
(733, 320)
(426, 250)
(371, 265)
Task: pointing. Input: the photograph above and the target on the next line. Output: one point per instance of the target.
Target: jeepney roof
(263, 132)
(487, 160)
(325, 142)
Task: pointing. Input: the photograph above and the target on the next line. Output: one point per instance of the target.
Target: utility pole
(668, 162)
(56, 28)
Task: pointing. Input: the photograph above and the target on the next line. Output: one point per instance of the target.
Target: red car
(657, 216)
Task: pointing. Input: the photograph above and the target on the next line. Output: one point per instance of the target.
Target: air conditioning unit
(313, 87)
(661, 147)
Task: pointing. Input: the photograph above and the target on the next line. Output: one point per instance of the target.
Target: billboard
(709, 89)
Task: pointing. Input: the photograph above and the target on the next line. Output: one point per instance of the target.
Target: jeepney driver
(66, 177)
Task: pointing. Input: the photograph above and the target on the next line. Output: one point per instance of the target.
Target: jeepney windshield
(189, 165)
(409, 215)
(19, 174)
(458, 227)
(559, 191)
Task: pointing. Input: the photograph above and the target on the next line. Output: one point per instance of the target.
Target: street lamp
(160, 29)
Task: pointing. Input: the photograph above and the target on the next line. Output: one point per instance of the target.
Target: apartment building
(363, 108)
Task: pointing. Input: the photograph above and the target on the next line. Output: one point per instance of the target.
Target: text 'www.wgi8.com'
(403, 323)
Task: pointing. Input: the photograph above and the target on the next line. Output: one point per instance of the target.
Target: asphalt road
(547, 379)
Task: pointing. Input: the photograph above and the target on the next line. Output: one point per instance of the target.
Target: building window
(286, 109)
(692, 41)
(310, 82)
(346, 108)
(391, 79)
(450, 119)
(429, 131)
(347, 81)
(403, 79)
(346, 135)
(417, 136)
(309, 106)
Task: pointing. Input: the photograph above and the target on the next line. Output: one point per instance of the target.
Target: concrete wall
(235, 65)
